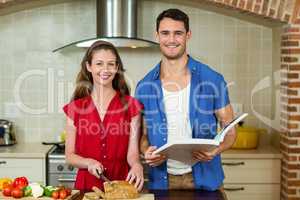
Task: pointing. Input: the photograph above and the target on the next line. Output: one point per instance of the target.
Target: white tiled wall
(240, 50)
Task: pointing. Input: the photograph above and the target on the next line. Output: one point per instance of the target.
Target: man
(182, 98)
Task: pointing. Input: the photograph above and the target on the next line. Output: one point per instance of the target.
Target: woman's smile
(104, 76)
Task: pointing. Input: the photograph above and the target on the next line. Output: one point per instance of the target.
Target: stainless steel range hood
(116, 23)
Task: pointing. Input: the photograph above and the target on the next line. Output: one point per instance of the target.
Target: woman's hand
(136, 174)
(154, 159)
(93, 166)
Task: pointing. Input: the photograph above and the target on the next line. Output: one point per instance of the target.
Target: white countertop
(38, 150)
(25, 150)
(261, 152)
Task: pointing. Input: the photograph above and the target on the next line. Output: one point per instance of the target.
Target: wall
(276, 102)
(240, 50)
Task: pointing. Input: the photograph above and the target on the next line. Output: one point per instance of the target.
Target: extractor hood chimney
(116, 23)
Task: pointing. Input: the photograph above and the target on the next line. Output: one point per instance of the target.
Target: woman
(103, 122)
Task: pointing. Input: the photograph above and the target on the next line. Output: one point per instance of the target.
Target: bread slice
(91, 196)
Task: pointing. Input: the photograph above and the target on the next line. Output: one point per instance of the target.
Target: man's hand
(205, 156)
(225, 116)
(154, 159)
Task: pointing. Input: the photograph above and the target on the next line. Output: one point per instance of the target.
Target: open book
(182, 150)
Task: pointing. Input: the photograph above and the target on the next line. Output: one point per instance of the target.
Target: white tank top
(178, 123)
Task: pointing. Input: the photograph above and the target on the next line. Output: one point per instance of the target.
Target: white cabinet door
(33, 169)
(252, 191)
(251, 170)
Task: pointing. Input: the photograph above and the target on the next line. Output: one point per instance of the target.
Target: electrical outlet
(11, 110)
(237, 108)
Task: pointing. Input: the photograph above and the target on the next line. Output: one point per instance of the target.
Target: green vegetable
(49, 190)
(27, 191)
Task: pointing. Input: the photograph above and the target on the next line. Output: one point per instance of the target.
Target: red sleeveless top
(106, 141)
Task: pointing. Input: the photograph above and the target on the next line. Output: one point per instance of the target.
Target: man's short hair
(174, 14)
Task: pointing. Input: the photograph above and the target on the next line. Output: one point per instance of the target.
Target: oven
(58, 171)
(61, 173)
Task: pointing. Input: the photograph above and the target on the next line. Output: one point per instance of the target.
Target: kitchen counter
(189, 195)
(184, 194)
(25, 150)
(261, 152)
(38, 150)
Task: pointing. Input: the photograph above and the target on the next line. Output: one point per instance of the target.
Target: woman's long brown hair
(84, 80)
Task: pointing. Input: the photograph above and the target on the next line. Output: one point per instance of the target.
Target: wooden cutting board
(73, 196)
(145, 196)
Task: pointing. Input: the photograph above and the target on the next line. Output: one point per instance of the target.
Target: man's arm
(225, 116)
(150, 158)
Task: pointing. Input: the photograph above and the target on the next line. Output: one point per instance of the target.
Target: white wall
(240, 50)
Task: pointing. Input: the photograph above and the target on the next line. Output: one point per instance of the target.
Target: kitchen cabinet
(252, 174)
(25, 159)
(188, 195)
(33, 169)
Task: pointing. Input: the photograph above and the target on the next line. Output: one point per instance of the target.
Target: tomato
(21, 187)
(55, 195)
(7, 190)
(69, 191)
(63, 194)
(20, 182)
(17, 193)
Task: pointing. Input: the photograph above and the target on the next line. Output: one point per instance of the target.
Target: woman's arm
(144, 143)
(133, 154)
(74, 159)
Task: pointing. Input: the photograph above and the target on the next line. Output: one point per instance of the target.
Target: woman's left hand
(136, 174)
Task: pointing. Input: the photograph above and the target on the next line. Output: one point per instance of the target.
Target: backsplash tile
(240, 50)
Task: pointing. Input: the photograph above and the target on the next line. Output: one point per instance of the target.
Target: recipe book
(182, 150)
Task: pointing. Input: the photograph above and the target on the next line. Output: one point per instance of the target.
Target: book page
(220, 136)
(182, 151)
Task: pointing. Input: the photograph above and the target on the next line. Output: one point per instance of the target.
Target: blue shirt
(208, 93)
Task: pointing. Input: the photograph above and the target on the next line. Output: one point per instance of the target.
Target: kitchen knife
(101, 175)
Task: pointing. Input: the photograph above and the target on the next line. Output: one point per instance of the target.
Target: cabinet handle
(233, 163)
(3, 162)
(66, 180)
(234, 189)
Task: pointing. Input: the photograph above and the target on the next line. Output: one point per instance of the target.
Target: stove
(58, 171)
(61, 173)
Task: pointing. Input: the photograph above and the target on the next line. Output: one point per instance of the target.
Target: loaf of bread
(120, 190)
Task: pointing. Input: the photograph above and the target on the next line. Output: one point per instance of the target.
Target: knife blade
(101, 175)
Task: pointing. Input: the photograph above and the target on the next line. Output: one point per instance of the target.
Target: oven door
(59, 179)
